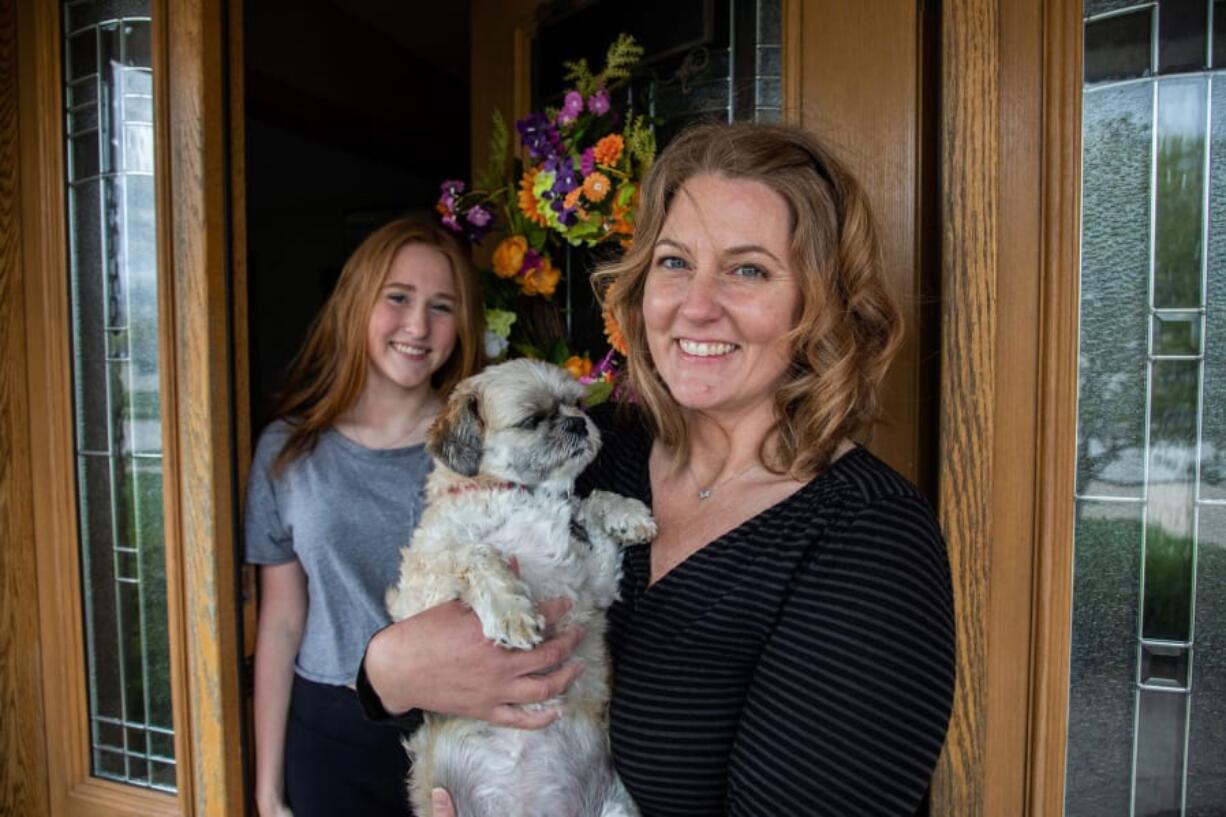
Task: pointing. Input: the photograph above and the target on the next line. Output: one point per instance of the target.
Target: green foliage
(598, 392)
(620, 58)
(495, 174)
(641, 142)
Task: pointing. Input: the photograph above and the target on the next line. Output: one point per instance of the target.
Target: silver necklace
(705, 493)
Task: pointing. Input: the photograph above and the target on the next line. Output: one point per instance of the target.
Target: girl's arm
(282, 618)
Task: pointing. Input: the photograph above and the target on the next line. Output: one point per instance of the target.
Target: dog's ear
(455, 438)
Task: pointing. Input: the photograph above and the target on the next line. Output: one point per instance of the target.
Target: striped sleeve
(849, 703)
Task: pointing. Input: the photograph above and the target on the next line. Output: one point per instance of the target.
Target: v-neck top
(800, 664)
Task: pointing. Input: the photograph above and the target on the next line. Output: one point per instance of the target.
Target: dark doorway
(355, 111)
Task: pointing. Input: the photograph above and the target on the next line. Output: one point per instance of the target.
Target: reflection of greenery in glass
(1168, 585)
(1213, 449)
(1179, 222)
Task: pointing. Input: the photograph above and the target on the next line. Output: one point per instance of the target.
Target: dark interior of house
(355, 111)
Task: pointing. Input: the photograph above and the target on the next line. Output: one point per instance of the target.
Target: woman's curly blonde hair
(849, 328)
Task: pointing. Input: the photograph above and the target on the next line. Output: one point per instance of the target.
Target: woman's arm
(850, 701)
(282, 618)
(438, 660)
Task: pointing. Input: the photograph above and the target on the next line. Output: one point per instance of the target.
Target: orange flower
(572, 198)
(596, 187)
(509, 256)
(609, 149)
(527, 201)
(613, 333)
(578, 366)
(540, 281)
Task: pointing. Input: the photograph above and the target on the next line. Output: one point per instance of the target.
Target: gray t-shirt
(343, 511)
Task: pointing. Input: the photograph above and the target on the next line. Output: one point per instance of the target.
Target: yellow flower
(608, 150)
(596, 187)
(540, 281)
(509, 256)
(613, 333)
(578, 366)
(527, 201)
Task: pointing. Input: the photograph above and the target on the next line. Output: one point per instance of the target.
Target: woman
(785, 645)
(335, 491)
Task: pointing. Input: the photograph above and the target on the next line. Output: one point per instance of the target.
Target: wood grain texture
(970, 159)
(205, 546)
(793, 65)
(868, 110)
(1056, 472)
(23, 762)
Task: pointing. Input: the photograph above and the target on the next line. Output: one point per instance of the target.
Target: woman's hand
(438, 660)
(440, 804)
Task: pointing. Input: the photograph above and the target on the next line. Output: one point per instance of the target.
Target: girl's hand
(440, 804)
(438, 660)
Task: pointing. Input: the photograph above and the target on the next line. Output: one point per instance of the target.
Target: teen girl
(335, 491)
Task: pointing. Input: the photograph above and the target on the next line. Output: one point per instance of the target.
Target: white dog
(507, 451)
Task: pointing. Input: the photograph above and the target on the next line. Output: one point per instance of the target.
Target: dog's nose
(575, 425)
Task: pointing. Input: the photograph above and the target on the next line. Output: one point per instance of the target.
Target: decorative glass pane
(1213, 434)
(1147, 696)
(1162, 721)
(1106, 580)
(1182, 25)
(113, 277)
(1178, 252)
(1118, 136)
(1120, 46)
(1207, 722)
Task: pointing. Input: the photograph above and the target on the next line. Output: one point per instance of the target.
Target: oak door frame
(1011, 154)
(199, 498)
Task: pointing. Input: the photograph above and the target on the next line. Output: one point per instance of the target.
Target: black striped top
(801, 664)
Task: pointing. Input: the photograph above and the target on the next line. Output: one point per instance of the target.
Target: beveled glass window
(1147, 702)
(108, 97)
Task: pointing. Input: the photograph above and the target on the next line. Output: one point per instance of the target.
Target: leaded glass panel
(113, 283)
(1147, 698)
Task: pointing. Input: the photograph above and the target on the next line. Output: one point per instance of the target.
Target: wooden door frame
(1011, 155)
(198, 457)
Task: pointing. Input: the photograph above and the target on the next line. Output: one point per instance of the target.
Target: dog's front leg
(627, 520)
(501, 601)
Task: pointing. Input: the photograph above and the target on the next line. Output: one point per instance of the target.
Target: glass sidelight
(108, 97)
(1147, 702)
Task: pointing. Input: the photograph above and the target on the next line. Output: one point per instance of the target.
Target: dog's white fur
(507, 451)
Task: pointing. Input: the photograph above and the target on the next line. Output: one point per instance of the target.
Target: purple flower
(532, 260)
(598, 103)
(538, 137)
(452, 223)
(587, 162)
(452, 188)
(478, 216)
(565, 179)
(572, 106)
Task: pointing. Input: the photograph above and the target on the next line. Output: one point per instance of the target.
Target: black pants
(338, 763)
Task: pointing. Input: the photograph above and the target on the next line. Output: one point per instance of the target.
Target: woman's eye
(670, 262)
(398, 298)
(443, 308)
(749, 271)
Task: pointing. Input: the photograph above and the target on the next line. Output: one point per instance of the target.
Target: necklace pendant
(704, 494)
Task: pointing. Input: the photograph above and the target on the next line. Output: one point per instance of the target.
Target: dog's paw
(626, 520)
(512, 622)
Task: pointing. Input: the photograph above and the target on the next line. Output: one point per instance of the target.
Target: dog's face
(519, 421)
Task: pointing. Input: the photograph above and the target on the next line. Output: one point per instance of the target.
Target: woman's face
(413, 326)
(722, 295)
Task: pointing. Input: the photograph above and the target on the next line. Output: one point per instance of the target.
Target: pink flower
(572, 106)
(598, 103)
(587, 162)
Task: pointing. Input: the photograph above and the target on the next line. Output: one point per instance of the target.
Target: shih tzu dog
(507, 451)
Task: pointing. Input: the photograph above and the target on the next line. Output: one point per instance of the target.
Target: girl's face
(413, 326)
